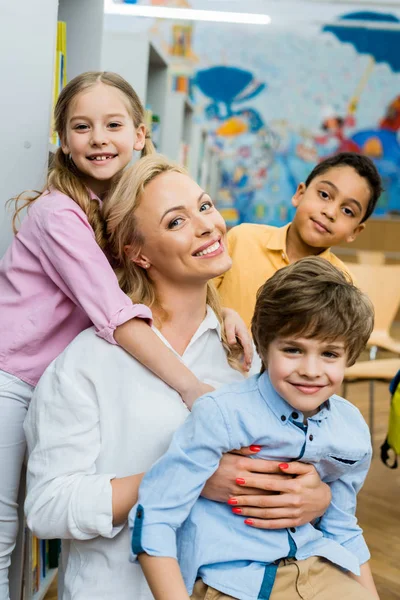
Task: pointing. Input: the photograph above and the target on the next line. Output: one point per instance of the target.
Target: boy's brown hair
(311, 298)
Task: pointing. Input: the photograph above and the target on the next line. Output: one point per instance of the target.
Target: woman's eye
(347, 211)
(324, 195)
(206, 206)
(175, 223)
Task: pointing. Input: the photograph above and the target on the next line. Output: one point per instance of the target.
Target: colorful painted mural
(277, 100)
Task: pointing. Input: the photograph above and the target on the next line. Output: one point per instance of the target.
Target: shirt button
(311, 437)
(293, 529)
(295, 415)
(283, 418)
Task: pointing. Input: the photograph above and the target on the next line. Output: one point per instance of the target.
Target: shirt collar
(282, 410)
(94, 197)
(209, 322)
(277, 241)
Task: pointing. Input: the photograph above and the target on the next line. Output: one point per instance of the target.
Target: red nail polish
(254, 448)
(232, 501)
(249, 521)
(283, 466)
(240, 481)
(237, 511)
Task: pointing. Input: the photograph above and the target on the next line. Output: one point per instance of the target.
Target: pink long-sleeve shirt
(55, 282)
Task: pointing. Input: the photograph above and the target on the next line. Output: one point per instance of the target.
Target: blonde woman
(99, 420)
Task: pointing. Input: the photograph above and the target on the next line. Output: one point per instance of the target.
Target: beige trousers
(301, 580)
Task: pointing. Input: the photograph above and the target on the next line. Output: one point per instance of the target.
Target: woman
(98, 420)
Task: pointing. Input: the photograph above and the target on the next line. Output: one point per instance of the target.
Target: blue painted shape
(382, 44)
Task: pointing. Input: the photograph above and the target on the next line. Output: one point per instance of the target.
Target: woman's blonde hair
(63, 175)
(122, 230)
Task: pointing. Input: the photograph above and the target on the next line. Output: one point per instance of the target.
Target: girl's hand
(236, 329)
(269, 496)
(195, 392)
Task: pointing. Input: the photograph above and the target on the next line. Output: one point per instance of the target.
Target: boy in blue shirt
(310, 322)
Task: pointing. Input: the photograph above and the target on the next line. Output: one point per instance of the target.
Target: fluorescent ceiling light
(187, 14)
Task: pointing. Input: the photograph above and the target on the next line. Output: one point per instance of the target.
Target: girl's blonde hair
(63, 175)
(122, 230)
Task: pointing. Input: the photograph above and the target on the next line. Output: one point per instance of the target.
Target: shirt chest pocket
(336, 464)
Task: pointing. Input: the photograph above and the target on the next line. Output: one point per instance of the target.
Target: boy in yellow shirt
(339, 195)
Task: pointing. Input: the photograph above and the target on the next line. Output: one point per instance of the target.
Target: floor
(378, 501)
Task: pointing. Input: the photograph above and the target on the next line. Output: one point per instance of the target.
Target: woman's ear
(137, 257)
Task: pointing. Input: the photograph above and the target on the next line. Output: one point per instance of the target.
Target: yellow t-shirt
(257, 251)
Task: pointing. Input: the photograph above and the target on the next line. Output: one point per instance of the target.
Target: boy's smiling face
(330, 210)
(306, 371)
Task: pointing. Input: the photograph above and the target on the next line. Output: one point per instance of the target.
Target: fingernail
(240, 481)
(237, 511)
(232, 501)
(283, 466)
(249, 521)
(255, 448)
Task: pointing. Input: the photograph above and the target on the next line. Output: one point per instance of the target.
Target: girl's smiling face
(100, 135)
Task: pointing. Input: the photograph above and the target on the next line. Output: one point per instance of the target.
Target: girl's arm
(73, 260)
(137, 338)
(235, 329)
(365, 579)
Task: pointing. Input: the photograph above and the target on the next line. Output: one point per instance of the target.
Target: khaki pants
(304, 579)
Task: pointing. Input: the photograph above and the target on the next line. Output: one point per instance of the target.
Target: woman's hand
(268, 495)
(236, 329)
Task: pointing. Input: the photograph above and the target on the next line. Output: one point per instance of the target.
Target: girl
(55, 279)
(93, 431)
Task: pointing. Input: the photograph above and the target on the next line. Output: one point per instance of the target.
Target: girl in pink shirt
(55, 279)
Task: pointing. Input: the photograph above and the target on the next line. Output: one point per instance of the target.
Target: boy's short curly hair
(313, 299)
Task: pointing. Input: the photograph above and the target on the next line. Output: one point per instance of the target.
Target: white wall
(84, 34)
(27, 41)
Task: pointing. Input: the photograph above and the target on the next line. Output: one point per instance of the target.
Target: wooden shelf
(45, 585)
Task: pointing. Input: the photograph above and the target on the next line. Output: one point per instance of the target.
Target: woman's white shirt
(98, 414)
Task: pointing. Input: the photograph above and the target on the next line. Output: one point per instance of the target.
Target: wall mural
(276, 101)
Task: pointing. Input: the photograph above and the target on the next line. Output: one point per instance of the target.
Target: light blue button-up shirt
(211, 542)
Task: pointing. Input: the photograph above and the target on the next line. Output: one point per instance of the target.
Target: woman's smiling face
(183, 233)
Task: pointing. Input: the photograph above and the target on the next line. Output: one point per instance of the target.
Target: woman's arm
(365, 579)
(125, 492)
(272, 497)
(66, 496)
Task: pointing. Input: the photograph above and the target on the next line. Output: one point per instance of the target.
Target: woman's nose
(204, 224)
